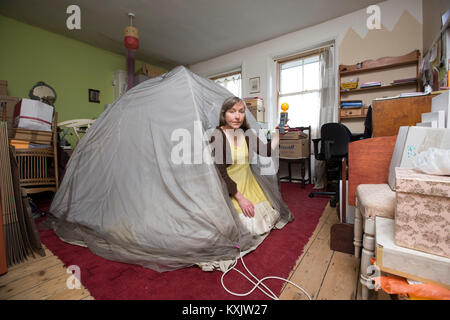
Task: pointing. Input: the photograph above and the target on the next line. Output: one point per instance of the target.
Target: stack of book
(370, 84)
(351, 104)
(407, 80)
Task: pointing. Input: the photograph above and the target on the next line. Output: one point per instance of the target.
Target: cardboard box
(294, 135)
(7, 111)
(3, 88)
(257, 113)
(150, 71)
(442, 103)
(254, 102)
(422, 216)
(33, 115)
(256, 107)
(294, 148)
(34, 136)
(139, 78)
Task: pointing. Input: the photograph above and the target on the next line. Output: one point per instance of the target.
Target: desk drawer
(352, 112)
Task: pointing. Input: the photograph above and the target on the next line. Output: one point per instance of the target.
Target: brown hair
(227, 105)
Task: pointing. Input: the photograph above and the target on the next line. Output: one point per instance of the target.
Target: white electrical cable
(256, 285)
(271, 294)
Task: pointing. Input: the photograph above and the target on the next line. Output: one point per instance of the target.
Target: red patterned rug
(276, 256)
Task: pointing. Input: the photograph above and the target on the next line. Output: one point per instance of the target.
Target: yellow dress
(265, 216)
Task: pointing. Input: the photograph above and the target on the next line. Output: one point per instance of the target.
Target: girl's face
(234, 116)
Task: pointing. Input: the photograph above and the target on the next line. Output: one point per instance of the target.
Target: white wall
(258, 60)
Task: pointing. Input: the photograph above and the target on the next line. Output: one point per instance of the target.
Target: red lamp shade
(131, 38)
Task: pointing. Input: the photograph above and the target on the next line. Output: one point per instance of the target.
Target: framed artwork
(94, 95)
(43, 92)
(254, 84)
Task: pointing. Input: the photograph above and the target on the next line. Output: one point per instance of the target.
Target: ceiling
(173, 32)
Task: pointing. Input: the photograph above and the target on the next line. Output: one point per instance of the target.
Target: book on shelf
(403, 95)
(407, 80)
(370, 84)
(351, 103)
(413, 94)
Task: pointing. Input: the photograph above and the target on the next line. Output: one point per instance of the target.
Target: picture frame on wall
(94, 95)
(254, 84)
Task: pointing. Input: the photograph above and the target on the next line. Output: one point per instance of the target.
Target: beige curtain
(327, 106)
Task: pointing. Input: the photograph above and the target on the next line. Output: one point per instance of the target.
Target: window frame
(281, 61)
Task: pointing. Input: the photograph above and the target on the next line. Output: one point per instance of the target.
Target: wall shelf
(379, 64)
(368, 67)
(383, 87)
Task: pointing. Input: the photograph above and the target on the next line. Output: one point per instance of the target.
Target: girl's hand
(286, 128)
(248, 209)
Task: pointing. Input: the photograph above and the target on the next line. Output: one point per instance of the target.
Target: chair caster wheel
(333, 203)
(311, 195)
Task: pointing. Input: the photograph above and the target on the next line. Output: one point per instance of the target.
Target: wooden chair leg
(368, 252)
(358, 231)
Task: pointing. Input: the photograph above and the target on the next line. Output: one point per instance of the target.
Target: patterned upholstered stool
(372, 200)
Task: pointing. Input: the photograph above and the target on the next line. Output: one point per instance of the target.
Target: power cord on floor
(270, 294)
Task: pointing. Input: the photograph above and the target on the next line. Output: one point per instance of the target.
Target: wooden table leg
(302, 168)
(290, 171)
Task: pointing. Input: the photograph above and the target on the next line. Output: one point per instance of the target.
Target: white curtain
(327, 106)
(231, 83)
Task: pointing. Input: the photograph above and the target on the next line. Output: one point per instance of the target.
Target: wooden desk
(408, 263)
(390, 114)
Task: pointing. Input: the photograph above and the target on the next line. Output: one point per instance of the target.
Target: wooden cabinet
(392, 72)
(390, 114)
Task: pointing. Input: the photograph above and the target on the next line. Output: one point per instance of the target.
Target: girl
(239, 145)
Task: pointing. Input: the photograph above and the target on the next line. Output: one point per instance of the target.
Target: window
(299, 86)
(232, 81)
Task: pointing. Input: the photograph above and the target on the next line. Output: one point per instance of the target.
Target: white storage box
(436, 118)
(442, 103)
(33, 115)
(413, 140)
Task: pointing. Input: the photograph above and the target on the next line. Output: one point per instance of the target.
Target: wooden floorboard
(291, 292)
(322, 272)
(339, 281)
(312, 267)
(326, 274)
(39, 278)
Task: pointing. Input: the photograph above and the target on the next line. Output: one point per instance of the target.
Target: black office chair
(334, 140)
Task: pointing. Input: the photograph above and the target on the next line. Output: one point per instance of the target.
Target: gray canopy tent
(125, 198)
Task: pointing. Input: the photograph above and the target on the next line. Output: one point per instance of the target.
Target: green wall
(30, 54)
